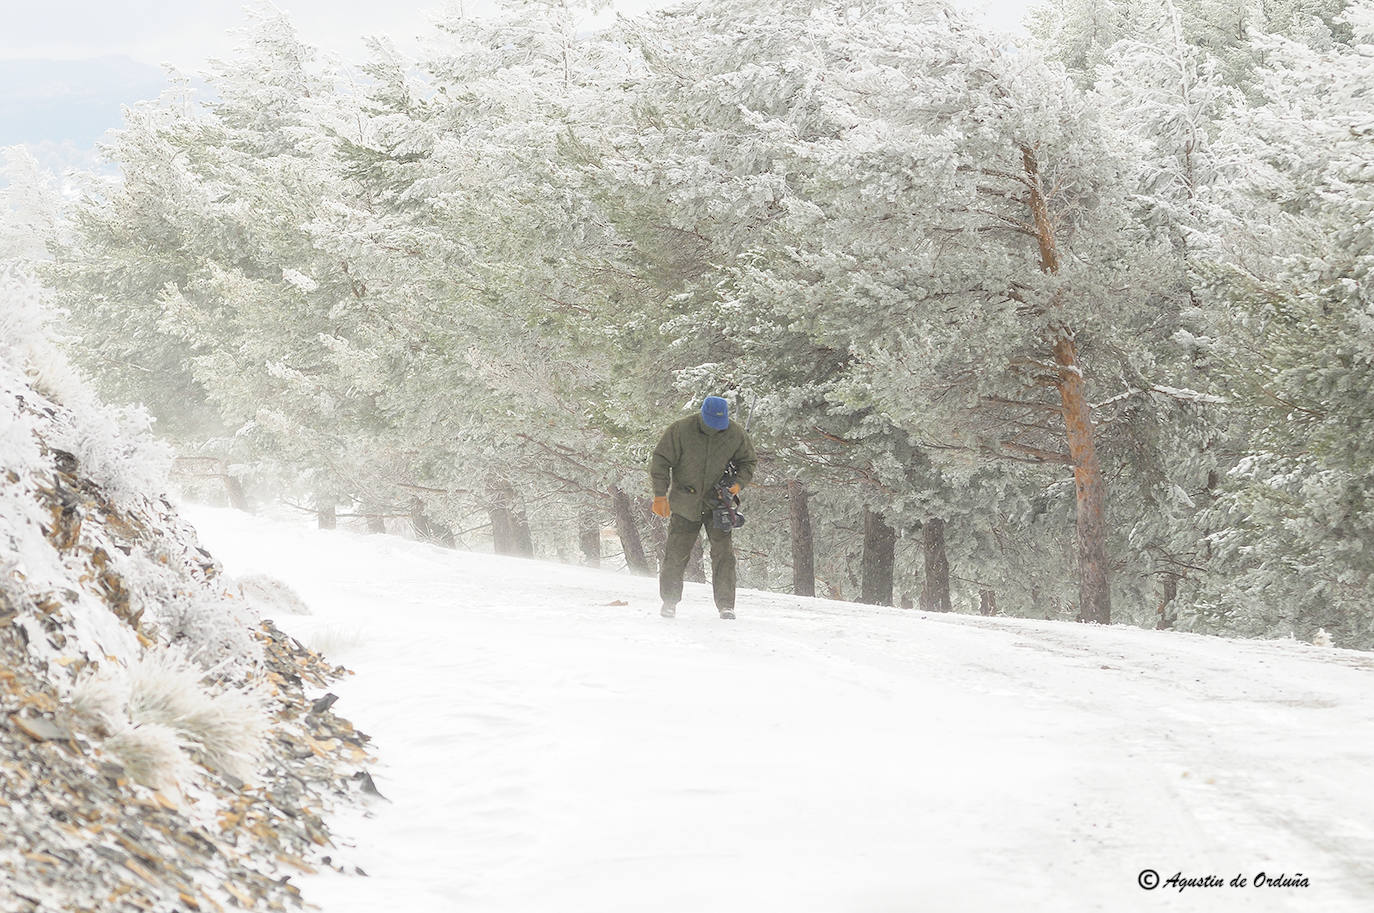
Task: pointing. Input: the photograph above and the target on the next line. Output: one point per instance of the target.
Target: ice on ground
(545, 748)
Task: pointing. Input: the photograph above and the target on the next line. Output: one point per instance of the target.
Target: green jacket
(691, 458)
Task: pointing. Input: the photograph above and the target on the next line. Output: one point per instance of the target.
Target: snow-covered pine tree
(1164, 98)
(1292, 270)
(189, 278)
(30, 207)
(1083, 34)
(939, 214)
(204, 282)
(520, 376)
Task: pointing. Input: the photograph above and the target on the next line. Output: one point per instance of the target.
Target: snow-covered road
(548, 749)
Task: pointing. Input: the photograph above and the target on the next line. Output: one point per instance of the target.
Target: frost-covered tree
(1207, 95)
(1168, 97)
(1083, 34)
(1165, 99)
(927, 238)
(510, 261)
(30, 206)
(128, 242)
(1293, 269)
(198, 284)
(953, 293)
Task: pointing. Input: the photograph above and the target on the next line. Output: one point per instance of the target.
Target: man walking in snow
(688, 462)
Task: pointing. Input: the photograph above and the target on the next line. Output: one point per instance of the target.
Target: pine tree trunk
(1094, 588)
(935, 593)
(510, 532)
(589, 537)
(419, 523)
(427, 530)
(880, 545)
(1166, 612)
(987, 602)
(520, 527)
(234, 489)
(502, 536)
(326, 515)
(376, 523)
(1095, 598)
(629, 533)
(803, 548)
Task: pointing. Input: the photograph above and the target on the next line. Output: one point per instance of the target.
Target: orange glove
(661, 507)
(734, 489)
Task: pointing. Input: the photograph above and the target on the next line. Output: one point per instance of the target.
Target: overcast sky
(186, 33)
(69, 67)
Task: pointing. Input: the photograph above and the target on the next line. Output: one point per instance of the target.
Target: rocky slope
(162, 746)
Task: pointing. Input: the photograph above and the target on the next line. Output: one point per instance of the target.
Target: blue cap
(716, 413)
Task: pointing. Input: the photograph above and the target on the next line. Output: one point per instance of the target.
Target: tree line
(1069, 326)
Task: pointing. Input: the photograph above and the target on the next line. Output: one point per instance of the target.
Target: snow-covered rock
(157, 744)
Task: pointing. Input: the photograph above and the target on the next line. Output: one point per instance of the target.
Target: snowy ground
(546, 750)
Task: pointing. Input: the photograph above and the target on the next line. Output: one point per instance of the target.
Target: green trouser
(682, 535)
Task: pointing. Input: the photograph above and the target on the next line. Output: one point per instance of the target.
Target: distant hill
(70, 101)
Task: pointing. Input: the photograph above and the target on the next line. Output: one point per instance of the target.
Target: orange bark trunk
(1094, 585)
(1094, 588)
